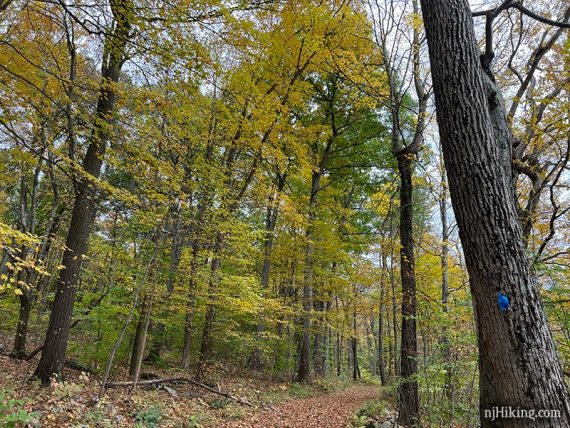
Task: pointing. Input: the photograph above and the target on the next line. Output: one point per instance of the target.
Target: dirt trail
(330, 411)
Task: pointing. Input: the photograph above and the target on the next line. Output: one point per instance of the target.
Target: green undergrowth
(12, 411)
(374, 412)
(325, 385)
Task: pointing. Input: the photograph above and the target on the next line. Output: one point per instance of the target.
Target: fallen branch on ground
(75, 365)
(182, 380)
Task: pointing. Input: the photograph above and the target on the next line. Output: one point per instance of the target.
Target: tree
(85, 208)
(406, 143)
(519, 365)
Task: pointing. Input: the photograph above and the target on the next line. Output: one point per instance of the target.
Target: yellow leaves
(10, 236)
(415, 21)
(384, 201)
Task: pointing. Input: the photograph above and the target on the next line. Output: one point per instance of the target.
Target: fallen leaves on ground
(331, 411)
(73, 403)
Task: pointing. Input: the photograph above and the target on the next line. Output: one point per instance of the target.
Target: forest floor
(326, 403)
(331, 410)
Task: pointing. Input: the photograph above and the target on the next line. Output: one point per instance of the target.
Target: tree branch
(182, 380)
(531, 14)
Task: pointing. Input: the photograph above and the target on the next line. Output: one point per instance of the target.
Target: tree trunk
(354, 348)
(190, 306)
(256, 360)
(327, 343)
(304, 369)
(206, 343)
(19, 350)
(445, 343)
(158, 327)
(158, 341)
(355, 368)
(139, 351)
(394, 314)
(318, 355)
(519, 365)
(338, 354)
(408, 399)
(390, 349)
(381, 310)
(371, 348)
(137, 339)
(29, 275)
(4, 4)
(84, 209)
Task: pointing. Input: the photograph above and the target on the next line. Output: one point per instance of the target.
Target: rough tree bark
(408, 397)
(519, 365)
(84, 209)
(404, 151)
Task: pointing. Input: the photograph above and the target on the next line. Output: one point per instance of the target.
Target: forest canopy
(297, 192)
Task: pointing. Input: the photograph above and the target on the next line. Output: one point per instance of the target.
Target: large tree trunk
(84, 209)
(519, 365)
(408, 399)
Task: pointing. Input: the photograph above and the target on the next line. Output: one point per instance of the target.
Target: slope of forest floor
(276, 404)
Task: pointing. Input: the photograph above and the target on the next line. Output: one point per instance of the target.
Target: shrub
(12, 411)
(150, 417)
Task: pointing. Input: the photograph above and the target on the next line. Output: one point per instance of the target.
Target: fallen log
(75, 365)
(181, 380)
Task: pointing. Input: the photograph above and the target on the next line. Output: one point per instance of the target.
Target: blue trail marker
(503, 301)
